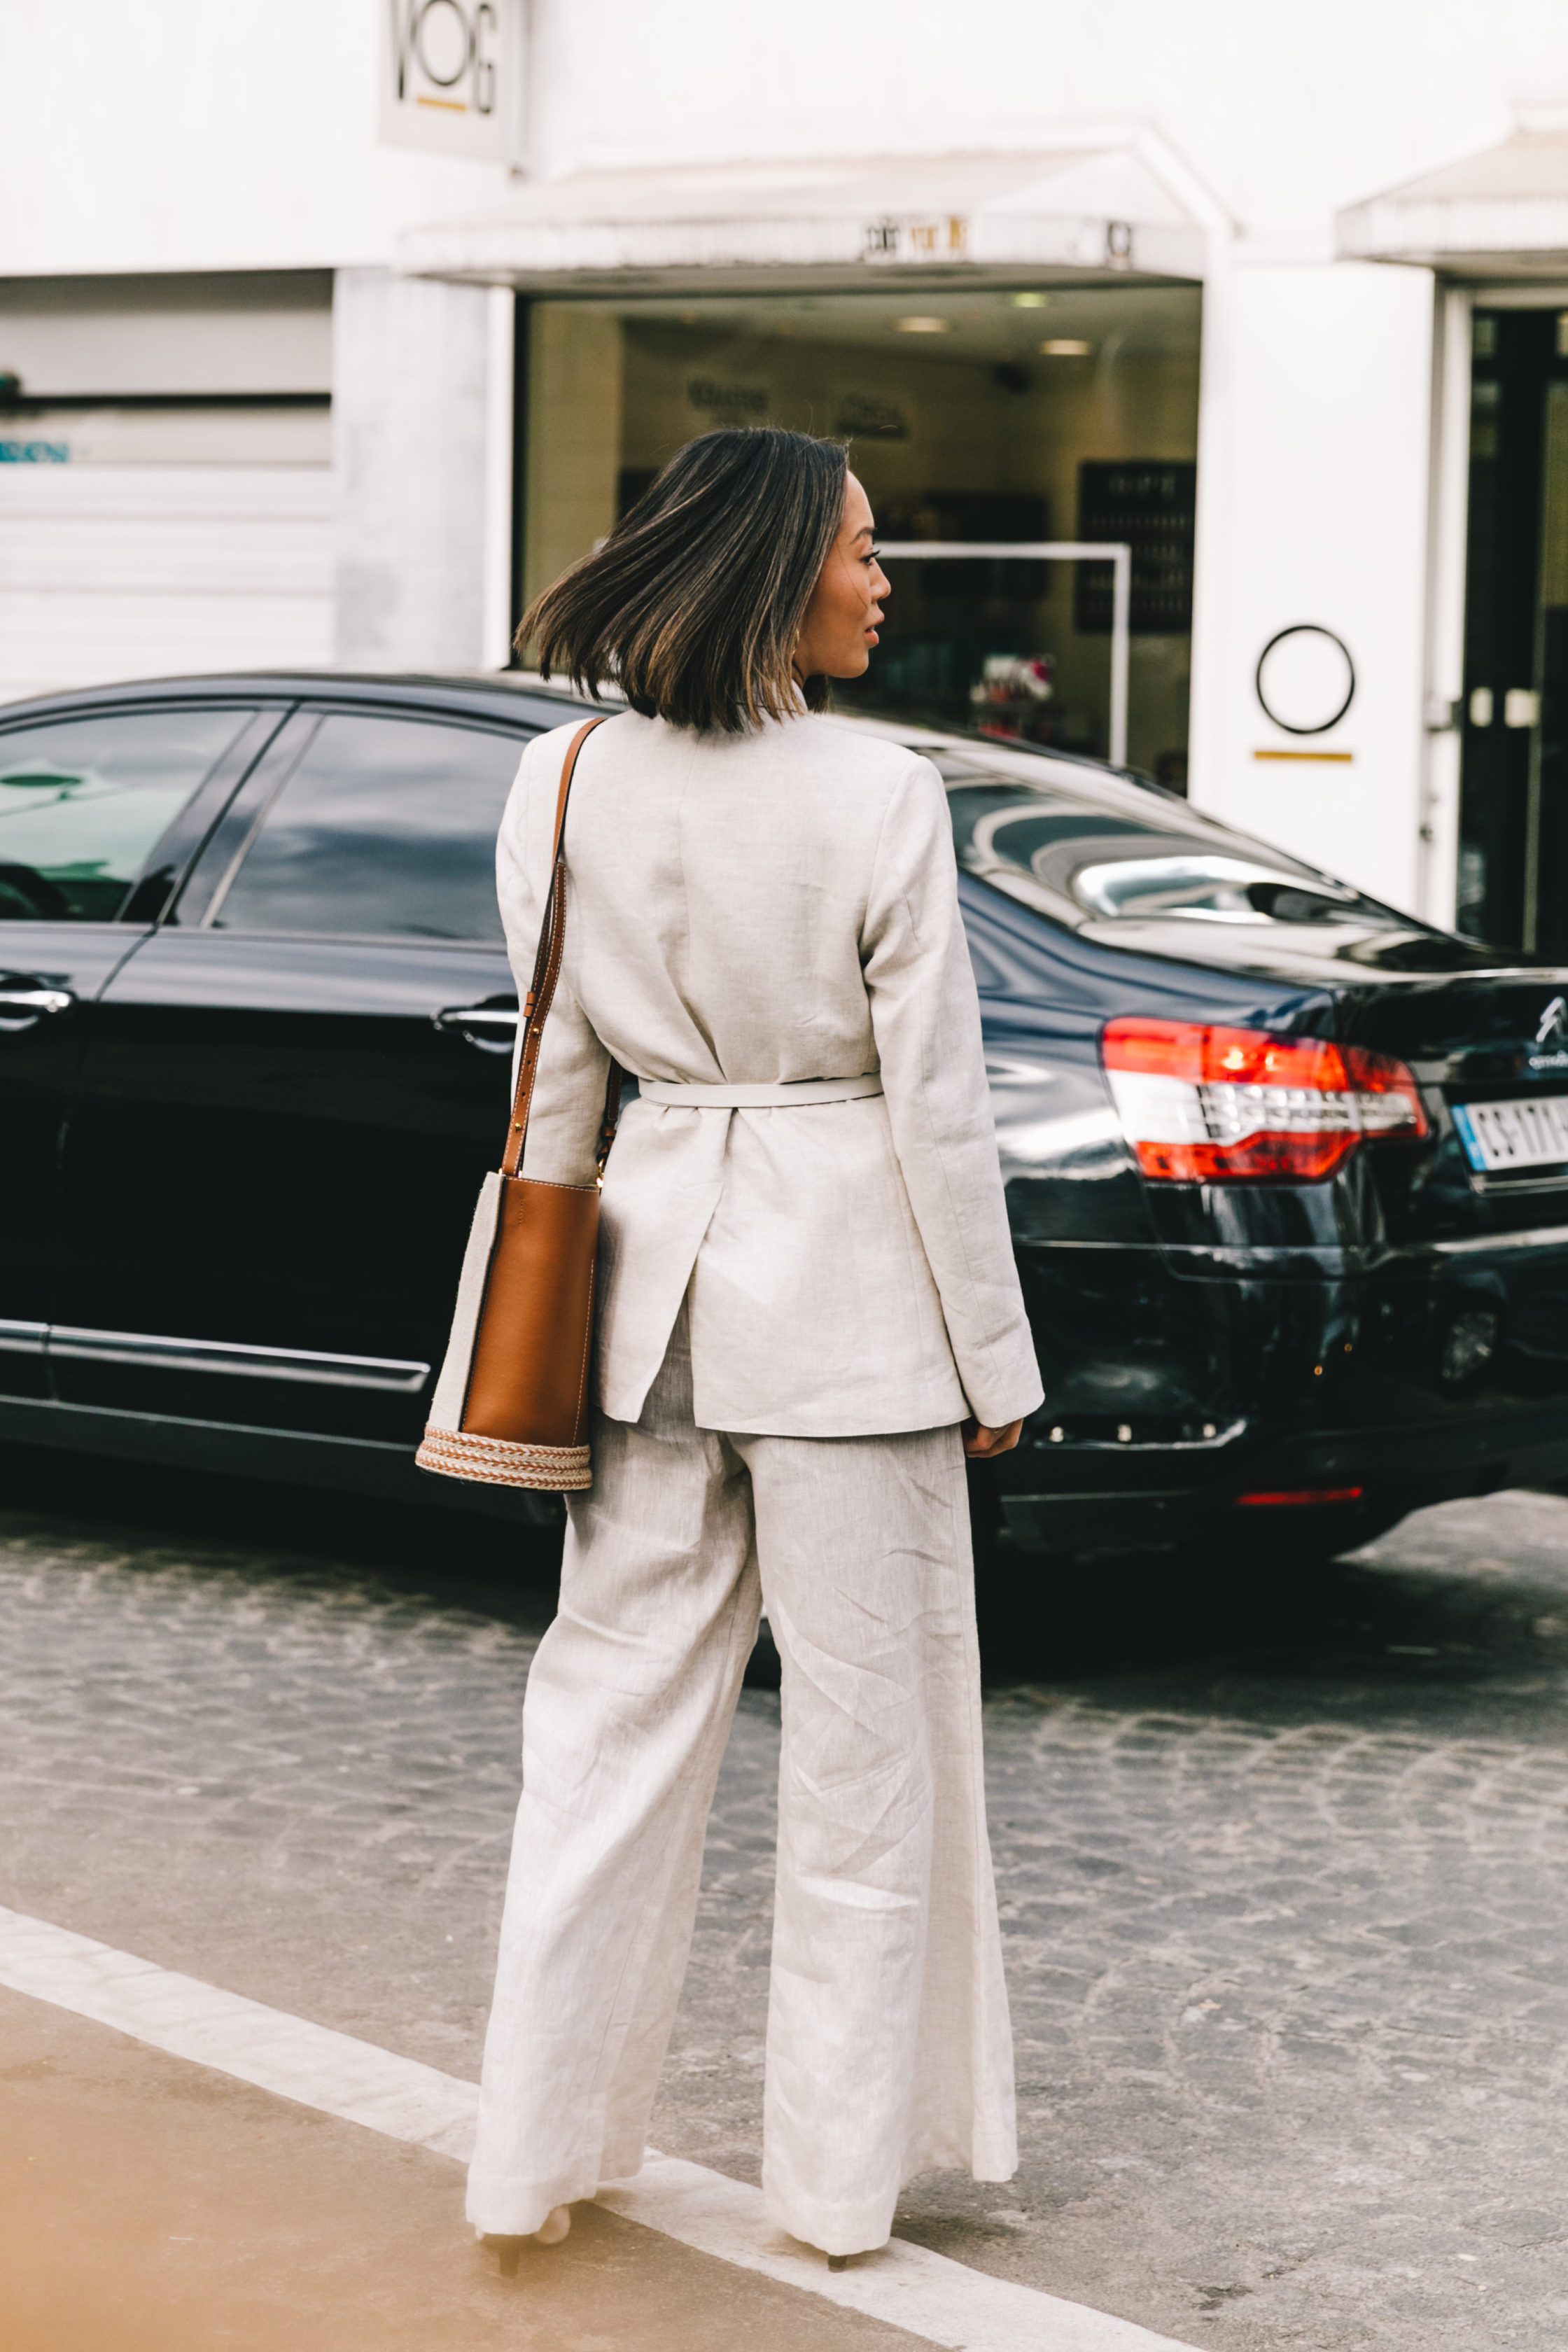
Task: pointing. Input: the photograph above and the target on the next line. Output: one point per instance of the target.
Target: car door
(97, 811)
(294, 1088)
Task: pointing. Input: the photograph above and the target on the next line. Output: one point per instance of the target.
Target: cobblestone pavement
(1283, 1857)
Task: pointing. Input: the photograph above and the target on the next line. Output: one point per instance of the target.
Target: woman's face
(840, 625)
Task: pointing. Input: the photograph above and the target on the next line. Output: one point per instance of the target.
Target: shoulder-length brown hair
(692, 605)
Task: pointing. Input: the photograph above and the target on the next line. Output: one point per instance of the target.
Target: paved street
(1283, 1858)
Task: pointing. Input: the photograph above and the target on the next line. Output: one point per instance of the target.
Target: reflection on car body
(1278, 1158)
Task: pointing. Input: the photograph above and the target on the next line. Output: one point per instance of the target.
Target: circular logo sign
(1305, 679)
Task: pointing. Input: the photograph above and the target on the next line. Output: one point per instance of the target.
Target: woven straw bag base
(499, 1462)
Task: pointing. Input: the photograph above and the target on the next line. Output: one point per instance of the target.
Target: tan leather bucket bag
(511, 1408)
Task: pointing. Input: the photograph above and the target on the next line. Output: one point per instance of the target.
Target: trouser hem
(861, 2227)
(511, 2208)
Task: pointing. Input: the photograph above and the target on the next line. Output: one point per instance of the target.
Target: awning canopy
(1503, 213)
(824, 224)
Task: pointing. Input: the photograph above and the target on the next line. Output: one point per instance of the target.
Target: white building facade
(331, 330)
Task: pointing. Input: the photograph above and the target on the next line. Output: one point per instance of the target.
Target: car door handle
(491, 1028)
(21, 1007)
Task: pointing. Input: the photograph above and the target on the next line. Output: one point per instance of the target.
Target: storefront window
(999, 414)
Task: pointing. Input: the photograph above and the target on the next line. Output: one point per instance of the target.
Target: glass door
(1513, 855)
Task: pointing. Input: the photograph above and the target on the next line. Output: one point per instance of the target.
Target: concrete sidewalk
(106, 2162)
(150, 2205)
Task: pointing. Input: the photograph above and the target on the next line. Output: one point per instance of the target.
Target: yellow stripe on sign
(1304, 755)
(447, 105)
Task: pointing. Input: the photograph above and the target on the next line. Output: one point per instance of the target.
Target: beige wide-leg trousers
(888, 2050)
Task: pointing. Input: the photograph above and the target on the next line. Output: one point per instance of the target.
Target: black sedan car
(1287, 1173)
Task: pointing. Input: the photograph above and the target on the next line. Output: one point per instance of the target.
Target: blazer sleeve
(925, 1013)
(573, 1068)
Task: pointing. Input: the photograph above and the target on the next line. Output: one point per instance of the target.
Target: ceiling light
(922, 326)
(1065, 346)
(1029, 301)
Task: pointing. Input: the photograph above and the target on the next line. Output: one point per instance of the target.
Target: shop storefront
(1008, 366)
(1018, 413)
(1102, 291)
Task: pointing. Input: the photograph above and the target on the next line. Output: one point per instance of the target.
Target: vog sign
(448, 69)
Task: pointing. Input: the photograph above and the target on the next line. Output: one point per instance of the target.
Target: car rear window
(1088, 859)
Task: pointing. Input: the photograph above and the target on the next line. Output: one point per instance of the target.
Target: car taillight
(1201, 1105)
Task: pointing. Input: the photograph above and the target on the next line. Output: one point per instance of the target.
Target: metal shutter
(139, 541)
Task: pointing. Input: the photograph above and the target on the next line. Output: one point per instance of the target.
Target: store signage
(448, 73)
(866, 417)
(916, 238)
(732, 402)
(34, 453)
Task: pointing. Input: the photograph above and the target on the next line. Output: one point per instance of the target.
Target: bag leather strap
(546, 972)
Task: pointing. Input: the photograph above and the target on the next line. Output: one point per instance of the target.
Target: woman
(807, 1287)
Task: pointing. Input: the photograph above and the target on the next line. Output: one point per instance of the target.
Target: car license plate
(1501, 1136)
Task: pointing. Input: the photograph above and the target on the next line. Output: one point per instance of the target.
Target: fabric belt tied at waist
(696, 1095)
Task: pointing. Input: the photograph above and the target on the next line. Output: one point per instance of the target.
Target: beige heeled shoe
(556, 2225)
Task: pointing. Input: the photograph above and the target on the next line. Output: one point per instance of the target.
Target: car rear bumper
(1169, 1400)
(1106, 1498)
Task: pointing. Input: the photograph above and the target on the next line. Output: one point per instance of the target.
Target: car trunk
(1481, 1035)
(1450, 1305)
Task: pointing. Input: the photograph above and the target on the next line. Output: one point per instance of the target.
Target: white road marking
(278, 2053)
(908, 2286)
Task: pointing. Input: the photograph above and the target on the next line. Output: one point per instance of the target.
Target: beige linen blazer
(776, 906)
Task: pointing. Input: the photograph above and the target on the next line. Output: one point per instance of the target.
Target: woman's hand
(982, 1444)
